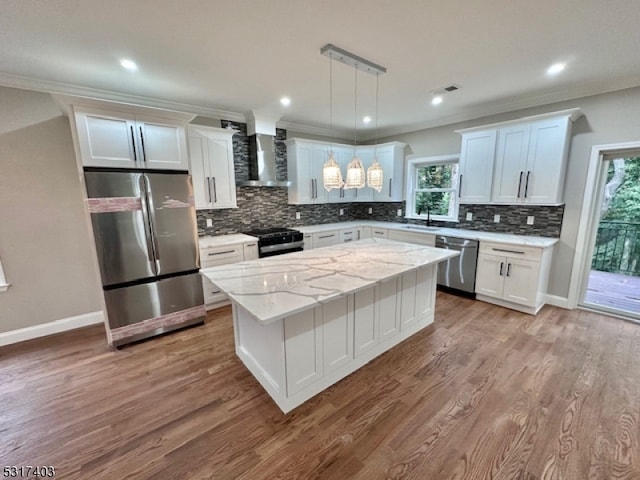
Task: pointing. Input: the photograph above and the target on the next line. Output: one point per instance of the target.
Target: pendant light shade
(355, 174)
(375, 176)
(331, 174)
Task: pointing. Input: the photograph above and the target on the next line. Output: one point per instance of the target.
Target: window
(432, 183)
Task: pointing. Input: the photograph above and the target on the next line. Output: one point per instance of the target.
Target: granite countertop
(525, 240)
(275, 287)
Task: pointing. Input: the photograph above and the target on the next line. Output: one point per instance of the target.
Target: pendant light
(331, 174)
(375, 173)
(355, 171)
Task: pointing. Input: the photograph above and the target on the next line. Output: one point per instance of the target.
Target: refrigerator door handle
(145, 212)
(150, 209)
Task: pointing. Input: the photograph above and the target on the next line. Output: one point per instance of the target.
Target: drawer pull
(507, 251)
(378, 233)
(251, 244)
(221, 253)
(348, 240)
(327, 236)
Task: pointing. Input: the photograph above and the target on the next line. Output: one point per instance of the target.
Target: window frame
(413, 164)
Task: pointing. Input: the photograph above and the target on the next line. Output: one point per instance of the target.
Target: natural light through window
(432, 185)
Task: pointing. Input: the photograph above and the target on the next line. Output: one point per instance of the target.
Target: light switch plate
(209, 222)
(342, 211)
(469, 216)
(496, 219)
(297, 215)
(530, 219)
(399, 212)
(370, 211)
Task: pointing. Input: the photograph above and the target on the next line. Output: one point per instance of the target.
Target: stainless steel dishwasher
(459, 272)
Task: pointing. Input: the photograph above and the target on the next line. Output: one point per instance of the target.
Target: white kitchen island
(305, 320)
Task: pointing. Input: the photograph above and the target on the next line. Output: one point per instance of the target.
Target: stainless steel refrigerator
(145, 230)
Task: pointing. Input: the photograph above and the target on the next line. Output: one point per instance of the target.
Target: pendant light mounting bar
(352, 60)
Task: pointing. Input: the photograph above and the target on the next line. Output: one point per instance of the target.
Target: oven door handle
(281, 246)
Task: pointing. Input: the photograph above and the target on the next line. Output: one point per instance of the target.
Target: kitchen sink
(421, 228)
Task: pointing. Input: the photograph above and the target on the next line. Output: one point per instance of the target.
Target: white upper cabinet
(305, 159)
(211, 162)
(304, 169)
(547, 161)
(511, 160)
(476, 166)
(391, 157)
(125, 139)
(518, 162)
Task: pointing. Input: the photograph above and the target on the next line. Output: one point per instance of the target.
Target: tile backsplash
(262, 207)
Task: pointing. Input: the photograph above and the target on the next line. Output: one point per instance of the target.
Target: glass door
(613, 282)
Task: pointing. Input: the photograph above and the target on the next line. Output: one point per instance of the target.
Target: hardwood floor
(484, 393)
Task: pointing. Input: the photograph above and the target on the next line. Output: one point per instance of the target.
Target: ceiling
(228, 58)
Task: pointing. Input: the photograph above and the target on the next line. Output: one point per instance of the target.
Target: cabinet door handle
(215, 190)
(520, 184)
(220, 253)
(526, 185)
(508, 269)
(209, 188)
(390, 181)
(501, 267)
(460, 187)
(144, 153)
(507, 250)
(133, 142)
(356, 192)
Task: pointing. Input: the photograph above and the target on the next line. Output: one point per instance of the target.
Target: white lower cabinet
(513, 276)
(302, 354)
(307, 238)
(250, 251)
(212, 256)
(349, 235)
(325, 239)
(379, 232)
(412, 237)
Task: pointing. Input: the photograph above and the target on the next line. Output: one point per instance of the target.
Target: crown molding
(46, 86)
(316, 130)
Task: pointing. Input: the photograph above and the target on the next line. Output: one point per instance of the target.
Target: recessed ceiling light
(285, 101)
(367, 119)
(555, 68)
(128, 64)
(436, 100)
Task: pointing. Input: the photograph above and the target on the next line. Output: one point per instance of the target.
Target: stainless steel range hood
(262, 153)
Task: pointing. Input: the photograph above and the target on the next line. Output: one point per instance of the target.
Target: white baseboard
(57, 326)
(557, 301)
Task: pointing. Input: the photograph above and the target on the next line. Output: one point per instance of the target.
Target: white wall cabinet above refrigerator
(211, 166)
(306, 158)
(517, 162)
(110, 137)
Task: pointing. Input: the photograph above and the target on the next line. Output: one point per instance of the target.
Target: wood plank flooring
(485, 393)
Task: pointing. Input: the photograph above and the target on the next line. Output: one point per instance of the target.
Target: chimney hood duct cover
(262, 163)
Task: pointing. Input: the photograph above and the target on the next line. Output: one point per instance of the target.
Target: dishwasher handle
(455, 243)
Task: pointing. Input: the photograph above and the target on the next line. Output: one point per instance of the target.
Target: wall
(44, 240)
(608, 118)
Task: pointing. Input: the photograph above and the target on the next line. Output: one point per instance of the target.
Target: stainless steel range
(275, 241)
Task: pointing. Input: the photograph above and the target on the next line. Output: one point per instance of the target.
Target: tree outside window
(435, 188)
